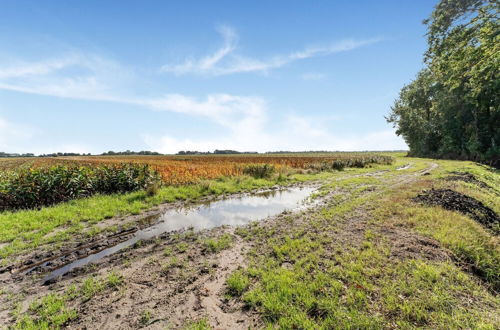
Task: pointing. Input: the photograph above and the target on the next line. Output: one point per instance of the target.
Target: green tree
(452, 108)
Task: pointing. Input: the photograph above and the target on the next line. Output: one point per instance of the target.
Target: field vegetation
(369, 254)
(36, 187)
(32, 183)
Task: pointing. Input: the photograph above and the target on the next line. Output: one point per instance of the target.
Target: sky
(92, 76)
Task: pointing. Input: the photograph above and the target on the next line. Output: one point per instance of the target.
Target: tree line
(452, 109)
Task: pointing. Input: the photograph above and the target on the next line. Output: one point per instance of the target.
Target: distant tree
(128, 152)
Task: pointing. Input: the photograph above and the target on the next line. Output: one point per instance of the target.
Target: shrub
(359, 162)
(33, 188)
(259, 171)
(338, 165)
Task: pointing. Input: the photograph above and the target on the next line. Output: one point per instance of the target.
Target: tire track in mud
(51, 261)
(352, 230)
(206, 297)
(201, 295)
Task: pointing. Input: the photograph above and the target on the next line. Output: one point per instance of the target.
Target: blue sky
(92, 76)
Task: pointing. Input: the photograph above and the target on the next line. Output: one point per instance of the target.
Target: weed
(182, 247)
(217, 245)
(237, 283)
(91, 286)
(167, 252)
(114, 280)
(198, 325)
(145, 317)
(260, 171)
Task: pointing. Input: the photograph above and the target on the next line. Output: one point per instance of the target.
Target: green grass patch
(198, 325)
(472, 244)
(54, 310)
(237, 283)
(215, 245)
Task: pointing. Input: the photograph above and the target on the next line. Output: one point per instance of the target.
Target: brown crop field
(176, 170)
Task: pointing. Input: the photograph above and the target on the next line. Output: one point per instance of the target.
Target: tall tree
(457, 111)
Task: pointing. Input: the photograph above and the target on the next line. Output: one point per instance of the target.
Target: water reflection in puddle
(232, 211)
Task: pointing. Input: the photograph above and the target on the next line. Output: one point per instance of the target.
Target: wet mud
(466, 177)
(455, 201)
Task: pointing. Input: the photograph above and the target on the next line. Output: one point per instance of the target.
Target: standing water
(232, 211)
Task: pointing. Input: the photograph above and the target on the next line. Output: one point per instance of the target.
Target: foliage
(259, 171)
(185, 169)
(357, 162)
(32, 188)
(452, 108)
(237, 283)
(217, 245)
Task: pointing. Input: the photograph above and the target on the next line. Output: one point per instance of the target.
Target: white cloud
(296, 134)
(313, 76)
(73, 75)
(225, 61)
(38, 68)
(228, 110)
(208, 62)
(243, 119)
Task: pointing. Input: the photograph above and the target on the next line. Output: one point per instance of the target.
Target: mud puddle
(232, 211)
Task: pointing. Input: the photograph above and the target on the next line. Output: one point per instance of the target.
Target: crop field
(215, 165)
(176, 170)
(385, 241)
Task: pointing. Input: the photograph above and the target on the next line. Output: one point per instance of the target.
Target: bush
(33, 188)
(259, 171)
(338, 165)
(359, 162)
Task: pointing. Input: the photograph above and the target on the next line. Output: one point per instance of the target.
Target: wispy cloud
(90, 77)
(244, 120)
(73, 75)
(238, 113)
(226, 60)
(313, 76)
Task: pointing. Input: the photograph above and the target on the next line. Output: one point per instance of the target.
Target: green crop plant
(34, 188)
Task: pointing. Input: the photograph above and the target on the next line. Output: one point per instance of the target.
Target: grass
(218, 244)
(472, 244)
(198, 325)
(418, 293)
(145, 317)
(336, 266)
(237, 283)
(54, 310)
(307, 277)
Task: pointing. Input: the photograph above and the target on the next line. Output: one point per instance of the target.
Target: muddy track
(194, 286)
(39, 263)
(79, 248)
